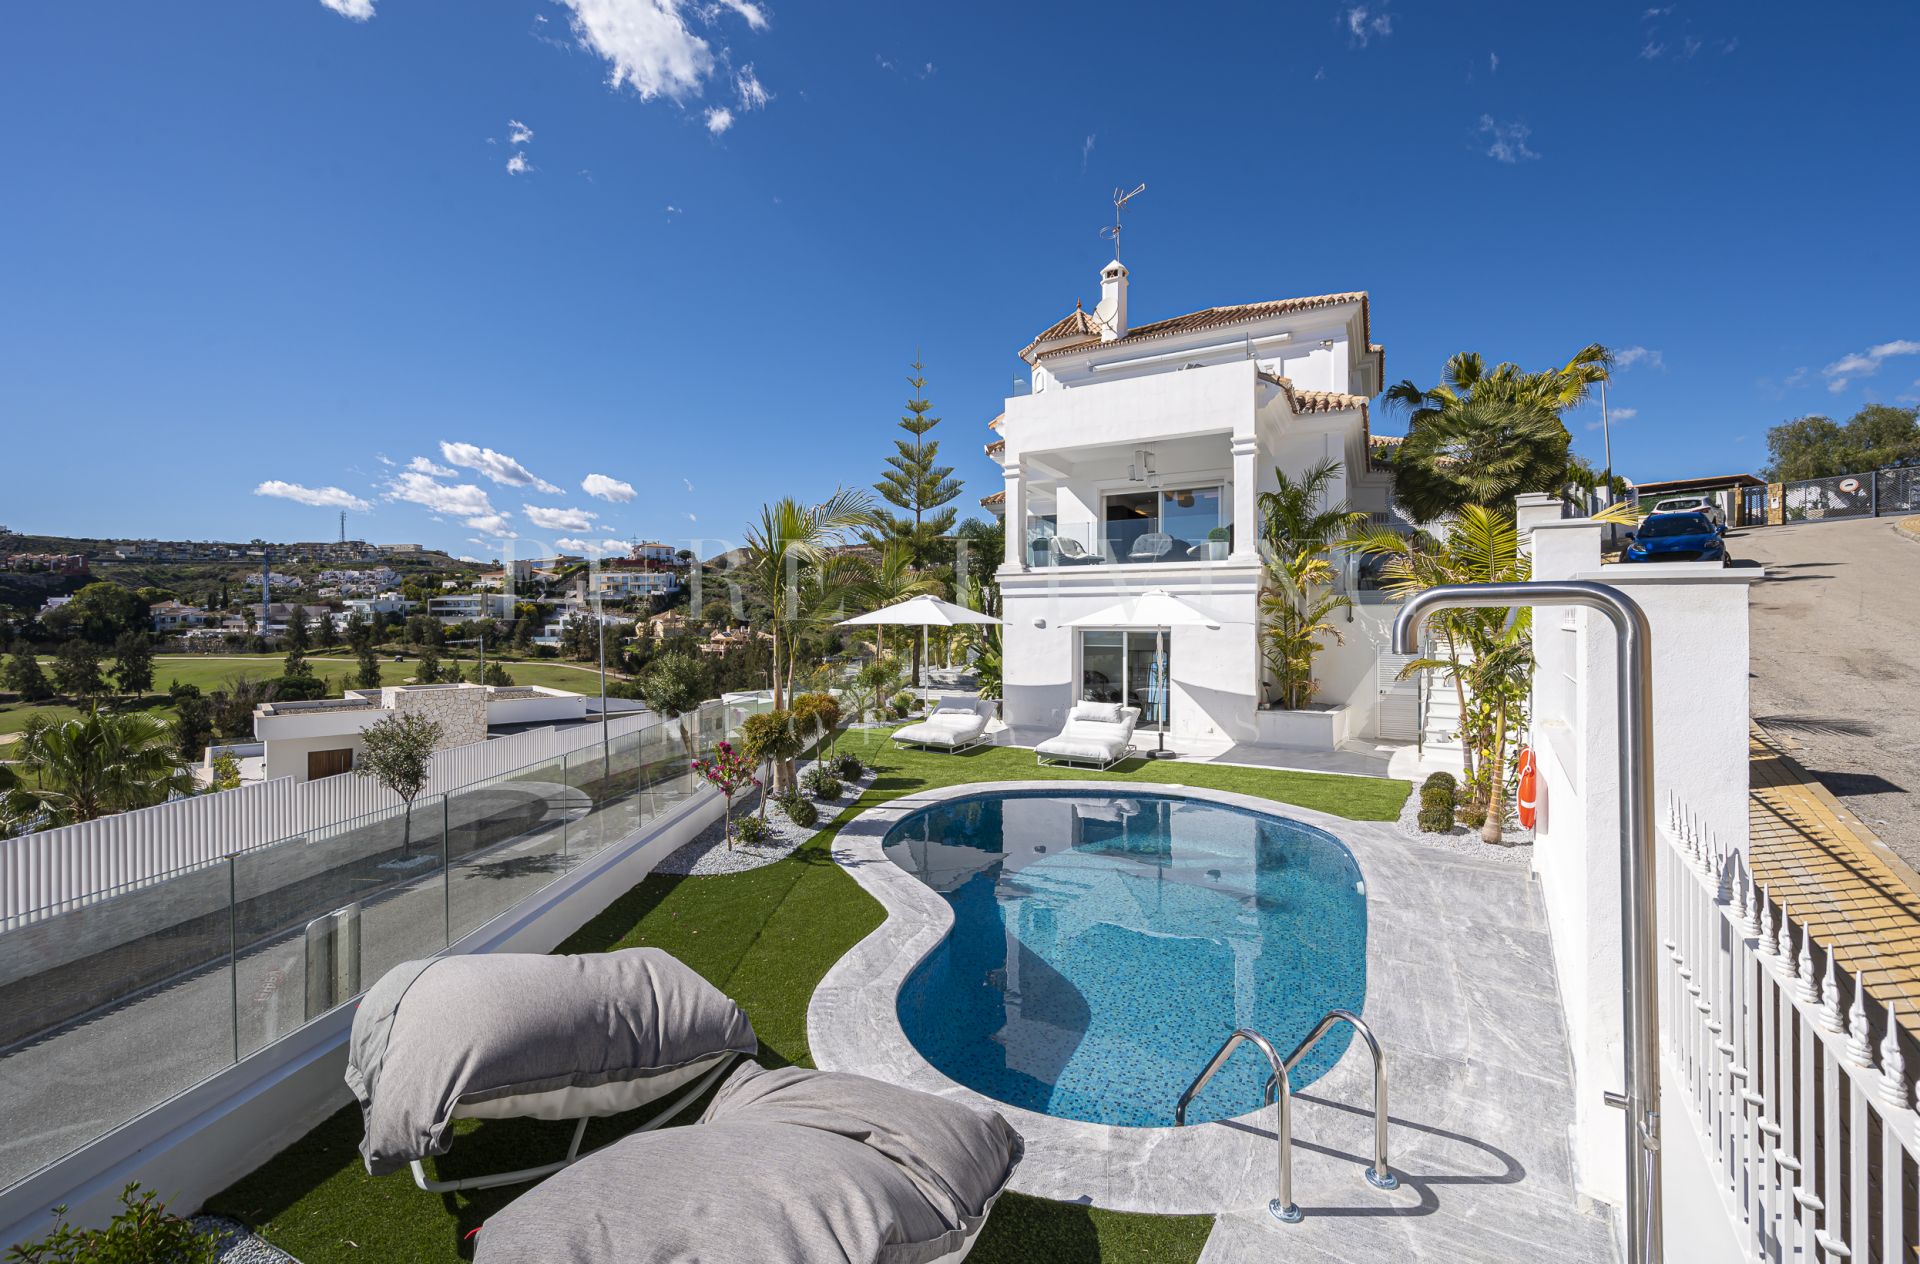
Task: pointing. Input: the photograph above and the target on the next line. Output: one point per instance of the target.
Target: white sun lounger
(949, 728)
(1097, 733)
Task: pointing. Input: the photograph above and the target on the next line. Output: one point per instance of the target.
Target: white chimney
(1112, 312)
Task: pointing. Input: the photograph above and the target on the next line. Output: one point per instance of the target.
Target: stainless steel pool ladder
(1279, 1094)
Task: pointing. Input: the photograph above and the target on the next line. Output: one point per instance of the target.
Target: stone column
(1246, 487)
(1016, 511)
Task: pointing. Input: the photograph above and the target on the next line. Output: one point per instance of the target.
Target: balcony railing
(1114, 544)
(111, 1007)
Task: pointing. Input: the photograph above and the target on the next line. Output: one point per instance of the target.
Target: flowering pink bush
(730, 772)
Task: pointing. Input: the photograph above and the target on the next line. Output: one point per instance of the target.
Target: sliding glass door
(1124, 667)
(1174, 525)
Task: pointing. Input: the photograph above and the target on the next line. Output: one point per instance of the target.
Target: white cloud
(692, 518)
(1627, 357)
(607, 487)
(358, 10)
(1622, 414)
(752, 93)
(719, 119)
(461, 500)
(421, 465)
(494, 524)
(383, 458)
(687, 481)
(518, 133)
(648, 45)
(615, 546)
(1086, 152)
(464, 557)
(674, 210)
(1507, 141)
(572, 545)
(327, 497)
(1842, 372)
(1493, 62)
(518, 164)
(497, 466)
(1363, 23)
(559, 519)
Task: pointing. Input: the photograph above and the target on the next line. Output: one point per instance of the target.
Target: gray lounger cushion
(569, 1036)
(787, 1165)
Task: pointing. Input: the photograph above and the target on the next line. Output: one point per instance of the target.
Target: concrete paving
(1836, 662)
(1460, 990)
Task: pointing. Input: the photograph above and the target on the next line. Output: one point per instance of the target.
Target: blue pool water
(1104, 945)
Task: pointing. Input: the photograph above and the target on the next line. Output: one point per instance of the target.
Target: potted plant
(1217, 541)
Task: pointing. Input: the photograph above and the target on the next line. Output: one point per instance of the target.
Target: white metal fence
(53, 870)
(1807, 1113)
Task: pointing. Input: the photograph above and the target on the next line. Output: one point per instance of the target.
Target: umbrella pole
(1166, 691)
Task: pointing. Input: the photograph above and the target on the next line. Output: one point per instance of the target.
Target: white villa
(1135, 463)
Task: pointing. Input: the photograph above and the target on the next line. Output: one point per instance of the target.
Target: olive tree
(398, 754)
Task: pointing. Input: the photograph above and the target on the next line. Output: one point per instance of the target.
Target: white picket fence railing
(1808, 1117)
(54, 870)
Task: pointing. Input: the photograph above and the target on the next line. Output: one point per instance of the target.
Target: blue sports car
(1677, 537)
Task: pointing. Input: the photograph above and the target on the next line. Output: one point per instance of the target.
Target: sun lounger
(787, 1165)
(494, 1036)
(949, 728)
(1097, 733)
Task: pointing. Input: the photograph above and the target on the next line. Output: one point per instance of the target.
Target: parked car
(1692, 504)
(1676, 537)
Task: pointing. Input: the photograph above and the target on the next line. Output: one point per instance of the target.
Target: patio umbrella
(1160, 610)
(923, 612)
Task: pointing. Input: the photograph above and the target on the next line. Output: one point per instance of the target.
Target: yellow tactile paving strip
(1859, 898)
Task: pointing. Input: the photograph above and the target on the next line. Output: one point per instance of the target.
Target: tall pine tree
(917, 484)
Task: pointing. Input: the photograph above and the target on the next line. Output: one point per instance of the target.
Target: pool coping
(853, 1025)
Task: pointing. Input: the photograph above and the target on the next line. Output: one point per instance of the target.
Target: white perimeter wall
(1698, 616)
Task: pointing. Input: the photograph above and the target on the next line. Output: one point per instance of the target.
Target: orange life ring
(1529, 787)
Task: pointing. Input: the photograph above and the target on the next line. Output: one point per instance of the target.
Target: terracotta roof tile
(1207, 318)
(1076, 324)
(998, 424)
(1316, 401)
(997, 448)
(998, 498)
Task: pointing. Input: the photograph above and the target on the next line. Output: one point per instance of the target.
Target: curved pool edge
(853, 1025)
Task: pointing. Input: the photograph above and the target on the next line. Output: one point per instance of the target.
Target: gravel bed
(708, 854)
(239, 1244)
(1516, 850)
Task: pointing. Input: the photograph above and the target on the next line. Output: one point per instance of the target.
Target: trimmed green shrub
(1437, 797)
(1436, 820)
(849, 768)
(903, 702)
(820, 782)
(1473, 815)
(800, 810)
(145, 1233)
(1441, 779)
(752, 829)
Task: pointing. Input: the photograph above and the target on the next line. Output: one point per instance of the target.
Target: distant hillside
(192, 576)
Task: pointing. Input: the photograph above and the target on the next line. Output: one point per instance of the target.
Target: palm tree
(1295, 610)
(1481, 436)
(1295, 516)
(895, 579)
(780, 567)
(789, 538)
(1488, 652)
(1297, 527)
(94, 766)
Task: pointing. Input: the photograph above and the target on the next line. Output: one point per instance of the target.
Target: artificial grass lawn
(765, 937)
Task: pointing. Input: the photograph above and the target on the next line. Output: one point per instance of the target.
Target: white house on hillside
(1135, 463)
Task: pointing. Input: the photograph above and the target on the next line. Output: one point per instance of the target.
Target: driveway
(1836, 662)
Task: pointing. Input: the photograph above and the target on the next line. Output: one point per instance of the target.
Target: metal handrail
(1380, 1175)
(1640, 996)
(1282, 1207)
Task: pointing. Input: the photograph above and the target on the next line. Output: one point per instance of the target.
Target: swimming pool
(1104, 944)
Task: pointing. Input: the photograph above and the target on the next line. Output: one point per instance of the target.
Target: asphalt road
(1835, 654)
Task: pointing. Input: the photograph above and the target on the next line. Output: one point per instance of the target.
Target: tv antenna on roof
(1120, 201)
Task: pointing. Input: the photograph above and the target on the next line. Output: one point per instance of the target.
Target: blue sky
(693, 249)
